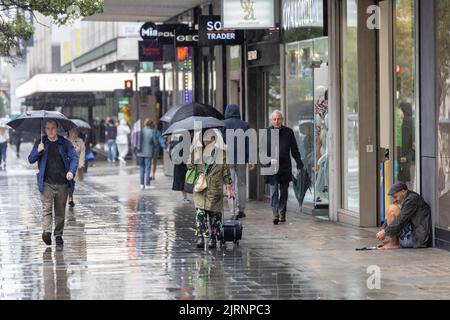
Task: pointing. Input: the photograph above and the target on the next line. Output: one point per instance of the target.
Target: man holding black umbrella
(57, 162)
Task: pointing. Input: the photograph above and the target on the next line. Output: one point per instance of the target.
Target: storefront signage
(302, 13)
(163, 33)
(211, 33)
(188, 38)
(150, 50)
(252, 55)
(248, 14)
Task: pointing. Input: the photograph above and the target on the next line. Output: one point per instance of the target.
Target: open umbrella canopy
(82, 125)
(193, 123)
(181, 112)
(32, 121)
(302, 182)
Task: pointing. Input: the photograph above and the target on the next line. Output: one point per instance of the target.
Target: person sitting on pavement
(80, 148)
(209, 201)
(408, 220)
(279, 181)
(57, 164)
(238, 170)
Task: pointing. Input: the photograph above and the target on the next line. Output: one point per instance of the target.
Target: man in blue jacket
(238, 169)
(57, 162)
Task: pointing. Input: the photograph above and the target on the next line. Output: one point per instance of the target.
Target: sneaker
(186, 200)
(142, 187)
(200, 242)
(276, 220)
(71, 203)
(212, 243)
(283, 217)
(241, 214)
(149, 187)
(59, 241)
(47, 238)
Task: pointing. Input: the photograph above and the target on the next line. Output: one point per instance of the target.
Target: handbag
(90, 156)
(189, 180)
(200, 183)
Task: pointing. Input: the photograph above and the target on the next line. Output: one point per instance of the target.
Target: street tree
(16, 25)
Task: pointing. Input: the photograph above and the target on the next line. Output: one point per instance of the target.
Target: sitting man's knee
(393, 211)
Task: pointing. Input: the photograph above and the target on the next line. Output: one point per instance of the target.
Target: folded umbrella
(181, 112)
(302, 182)
(194, 123)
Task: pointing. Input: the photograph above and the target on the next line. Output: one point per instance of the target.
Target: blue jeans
(405, 237)
(145, 164)
(3, 147)
(279, 198)
(112, 149)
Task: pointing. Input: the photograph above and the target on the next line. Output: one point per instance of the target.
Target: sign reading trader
(211, 33)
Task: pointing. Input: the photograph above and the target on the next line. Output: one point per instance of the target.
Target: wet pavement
(124, 243)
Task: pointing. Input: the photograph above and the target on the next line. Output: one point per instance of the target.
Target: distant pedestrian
(279, 181)
(16, 140)
(57, 163)
(179, 170)
(148, 145)
(111, 136)
(123, 132)
(238, 170)
(4, 139)
(161, 146)
(80, 148)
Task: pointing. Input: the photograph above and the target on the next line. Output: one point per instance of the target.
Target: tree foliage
(15, 27)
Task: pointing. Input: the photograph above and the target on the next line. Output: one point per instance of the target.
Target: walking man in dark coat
(279, 182)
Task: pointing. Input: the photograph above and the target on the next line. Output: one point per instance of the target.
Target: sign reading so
(211, 33)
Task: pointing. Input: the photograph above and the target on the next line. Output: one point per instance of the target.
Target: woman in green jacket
(209, 202)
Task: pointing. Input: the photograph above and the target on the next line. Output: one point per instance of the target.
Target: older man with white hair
(279, 181)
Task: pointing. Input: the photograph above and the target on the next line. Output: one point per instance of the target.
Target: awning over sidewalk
(80, 82)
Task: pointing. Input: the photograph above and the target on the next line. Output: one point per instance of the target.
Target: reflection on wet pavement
(124, 243)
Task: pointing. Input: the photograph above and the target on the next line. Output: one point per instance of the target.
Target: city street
(124, 243)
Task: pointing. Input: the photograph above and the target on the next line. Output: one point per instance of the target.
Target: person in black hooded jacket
(238, 168)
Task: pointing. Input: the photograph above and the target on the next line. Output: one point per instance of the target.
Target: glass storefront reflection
(307, 110)
(443, 98)
(405, 107)
(350, 108)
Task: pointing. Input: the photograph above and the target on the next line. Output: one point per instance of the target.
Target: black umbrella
(82, 125)
(302, 182)
(31, 121)
(189, 124)
(180, 112)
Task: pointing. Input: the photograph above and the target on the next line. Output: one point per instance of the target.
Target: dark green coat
(211, 199)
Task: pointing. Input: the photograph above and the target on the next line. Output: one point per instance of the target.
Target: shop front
(306, 84)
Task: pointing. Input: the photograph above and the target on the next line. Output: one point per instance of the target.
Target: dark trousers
(278, 198)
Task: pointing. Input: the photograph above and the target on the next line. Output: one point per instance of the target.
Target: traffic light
(128, 88)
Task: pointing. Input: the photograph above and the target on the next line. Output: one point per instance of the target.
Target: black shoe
(59, 241)
(283, 218)
(241, 214)
(276, 220)
(200, 242)
(212, 244)
(47, 238)
(71, 203)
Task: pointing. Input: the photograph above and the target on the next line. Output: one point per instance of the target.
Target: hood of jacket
(232, 112)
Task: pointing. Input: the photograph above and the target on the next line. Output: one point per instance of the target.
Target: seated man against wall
(408, 220)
